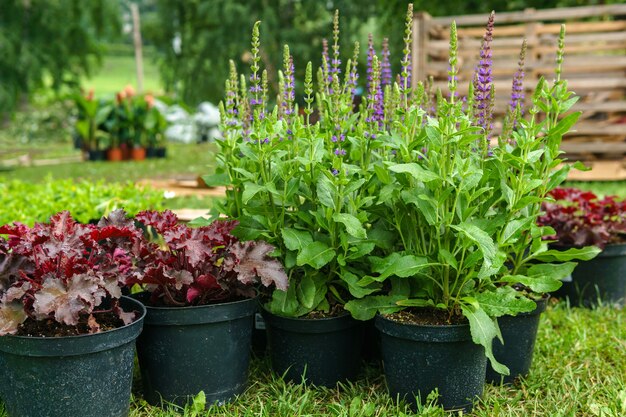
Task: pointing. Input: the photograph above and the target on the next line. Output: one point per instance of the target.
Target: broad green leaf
(493, 259)
(248, 228)
(539, 284)
(416, 302)
(513, 230)
(216, 180)
(359, 250)
(400, 265)
(554, 271)
(306, 291)
(353, 225)
(426, 205)
(504, 300)
(296, 239)
(316, 254)
(366, 308)
(353, 186)
(564, 125)
(326, 191)
(250, 191)
(284, 303)
(383, 174)
(484, 329)
(416, 171)
(582, 254)
(357, 290)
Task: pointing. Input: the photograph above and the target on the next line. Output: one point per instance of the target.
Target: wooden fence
(595, 63)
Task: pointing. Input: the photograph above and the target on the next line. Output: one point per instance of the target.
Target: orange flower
(129, 91)
(149, 100)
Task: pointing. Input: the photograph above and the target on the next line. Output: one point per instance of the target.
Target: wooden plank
(556, 14)
(555, 29)
(593, 147)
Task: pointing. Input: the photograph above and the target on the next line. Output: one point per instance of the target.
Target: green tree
(43, 41)
(211, 32)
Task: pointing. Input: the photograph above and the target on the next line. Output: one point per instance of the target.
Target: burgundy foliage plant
(62, 271)
(580, 218)
(205, 265)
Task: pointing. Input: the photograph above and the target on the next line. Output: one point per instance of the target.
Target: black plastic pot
(419, 359)
(96, 155)
(519, 334)
(87, 376)
(601, 278)
(185, 350)
(321, 351)
(150, 152)
(161, 152)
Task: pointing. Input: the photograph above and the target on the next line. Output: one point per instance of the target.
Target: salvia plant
(406, 202)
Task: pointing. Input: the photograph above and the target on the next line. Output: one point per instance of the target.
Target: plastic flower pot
(161, 152)
(418, 359)
(96, 155)
(321, 351)
(138, 153)
(519, 334)
(88, 375)
(150, 152)
(185, 350)
(602, 278)
(114, 154)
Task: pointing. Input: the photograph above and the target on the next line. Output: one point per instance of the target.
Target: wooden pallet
(595, 64)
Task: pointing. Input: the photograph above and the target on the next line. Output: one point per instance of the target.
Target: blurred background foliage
(55, 46)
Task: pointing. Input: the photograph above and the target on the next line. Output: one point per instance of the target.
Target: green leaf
(366, 308)
(356, 290)
(554, 271)
(284, 303)
(513, 230)
(504, 300)
(582, 254)
(326, 191)
(426, 205)
(383, 174)
(416, 171)
(402, 266)
(353, 225)
(485, 245)
(250, 191)
(316, 254)
(484, 329)
(539, 284)
(445, 257)
(416, 302)
(564, 125)
(248, 228)
(296, 239)
(306, 290)
(216, 180)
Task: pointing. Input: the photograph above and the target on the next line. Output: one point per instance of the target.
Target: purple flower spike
(517, 91)
(385, 66)
(483, 81)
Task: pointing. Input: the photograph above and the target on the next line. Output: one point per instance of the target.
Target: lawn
(118, 70)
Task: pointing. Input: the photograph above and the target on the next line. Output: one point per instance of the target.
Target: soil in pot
(519, 334)
(88, 375)
(185, 350)
(418, 359)
(322, 351)
(599, 280)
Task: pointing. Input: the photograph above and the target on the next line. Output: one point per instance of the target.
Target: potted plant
(461, 212)
(63, 319)
(200, 301)
(154, 125)
(301, 186)
(580, 218)
(90, 117)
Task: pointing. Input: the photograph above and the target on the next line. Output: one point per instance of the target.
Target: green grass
(578, 370)
(182, 161)
(117, 71)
